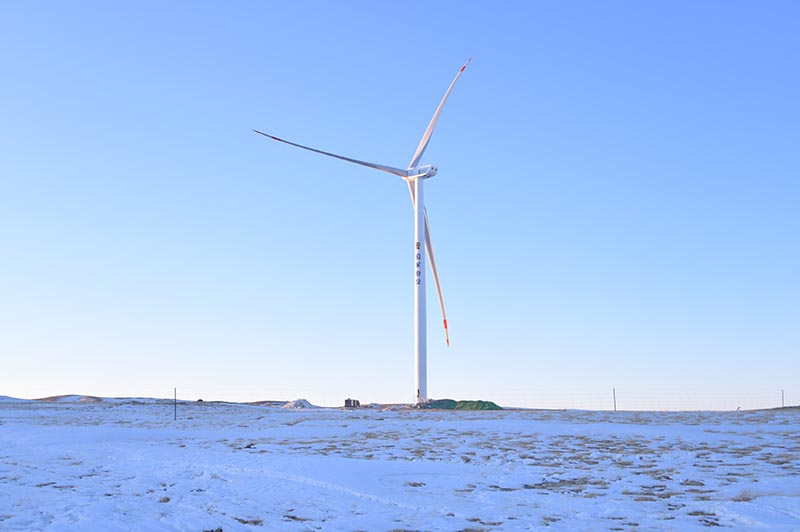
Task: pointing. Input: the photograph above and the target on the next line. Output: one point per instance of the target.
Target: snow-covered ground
(127, 465)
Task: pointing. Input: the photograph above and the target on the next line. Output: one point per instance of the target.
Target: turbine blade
(423, 143)
(432, 262)
(383, 168)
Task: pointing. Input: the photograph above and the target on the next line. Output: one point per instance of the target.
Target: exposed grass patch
(256, 522)
(744, 496)
(450, 404)
(299, 519)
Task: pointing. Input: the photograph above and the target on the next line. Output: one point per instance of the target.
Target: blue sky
(616, 203)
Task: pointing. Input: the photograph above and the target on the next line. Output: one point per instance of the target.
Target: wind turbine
(414, 175)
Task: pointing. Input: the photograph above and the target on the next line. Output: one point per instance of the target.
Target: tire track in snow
(308, 481)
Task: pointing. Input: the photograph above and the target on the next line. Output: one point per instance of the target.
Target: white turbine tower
(415, 176)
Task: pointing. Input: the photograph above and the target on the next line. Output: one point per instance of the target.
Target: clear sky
(616, 204)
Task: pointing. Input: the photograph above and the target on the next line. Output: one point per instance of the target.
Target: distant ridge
(276, 404)
(7, 399)
(70, 399)
(297, 404)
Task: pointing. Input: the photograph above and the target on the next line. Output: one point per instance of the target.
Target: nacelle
(423, 172)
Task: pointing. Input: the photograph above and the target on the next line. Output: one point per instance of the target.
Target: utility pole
(614, 392)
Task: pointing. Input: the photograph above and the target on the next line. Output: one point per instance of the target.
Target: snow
(127, 465)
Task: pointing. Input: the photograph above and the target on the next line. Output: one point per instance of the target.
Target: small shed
(351, 403)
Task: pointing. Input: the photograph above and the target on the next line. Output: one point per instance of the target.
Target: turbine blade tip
(268, 135)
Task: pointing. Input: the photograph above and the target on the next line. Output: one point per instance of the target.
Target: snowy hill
(71, 399)
(299, 403)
